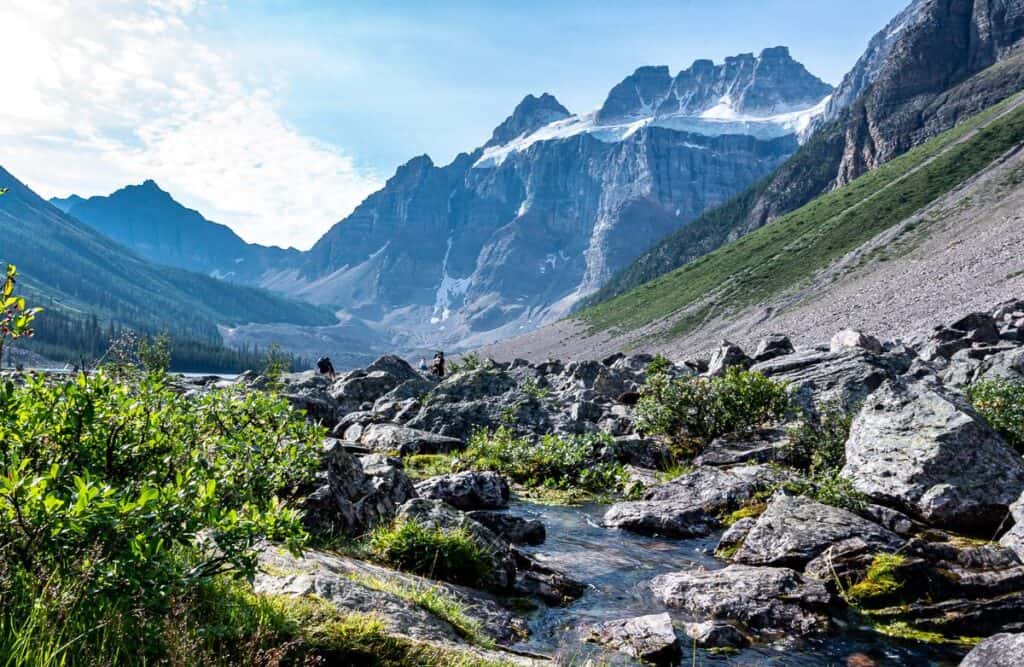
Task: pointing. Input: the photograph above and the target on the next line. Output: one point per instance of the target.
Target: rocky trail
(737, 550)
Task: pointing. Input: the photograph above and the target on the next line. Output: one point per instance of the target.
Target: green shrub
(534, 390)
(420, 466)
(452, 555)
(118, 498)
(829, 488)
(467, 362)
(658, 365)
(694, 407)
(556, 462)
(818, 444)
(1001, 403)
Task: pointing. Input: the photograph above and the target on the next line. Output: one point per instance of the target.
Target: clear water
(618, 566)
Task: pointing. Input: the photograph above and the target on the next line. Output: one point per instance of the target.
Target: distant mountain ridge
(514, 233)
(148, 220)
(77, 273)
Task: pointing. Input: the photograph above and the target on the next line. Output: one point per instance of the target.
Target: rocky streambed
(738, 557)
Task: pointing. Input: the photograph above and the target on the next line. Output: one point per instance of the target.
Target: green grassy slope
(68, 267)
(794, 247)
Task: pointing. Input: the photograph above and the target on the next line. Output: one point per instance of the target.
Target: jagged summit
(529, 115)
(768, 84)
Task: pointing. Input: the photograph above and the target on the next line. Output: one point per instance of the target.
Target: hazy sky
(278, 117)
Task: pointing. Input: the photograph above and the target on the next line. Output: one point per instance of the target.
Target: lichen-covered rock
(1002, 650)
(732, 538)
(772, 346)
(470, 490)
(651, 639)
(352, 586)
(766, 601)
(793, 530)
(761, 446)
(925, 451)
(690, 505)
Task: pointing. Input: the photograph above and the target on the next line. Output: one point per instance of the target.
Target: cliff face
(475, 250)
(935, 46)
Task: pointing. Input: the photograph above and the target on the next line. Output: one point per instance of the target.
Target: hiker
(437, 367)
(325, 367)
(423, 365)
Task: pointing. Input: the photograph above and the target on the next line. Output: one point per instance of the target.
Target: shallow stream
(618, 565)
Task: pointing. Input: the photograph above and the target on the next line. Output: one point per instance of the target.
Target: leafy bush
(467, 362)
(452, 555)
(659, 364)
(120, 498)
(155, 353)
(818, 444)
(534, 390)
(702, 408)
(15, 316)
(1001, 403)
(829, 488)
(558, 462)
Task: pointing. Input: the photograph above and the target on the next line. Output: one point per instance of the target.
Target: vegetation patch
(880, 582)
(558, 463)
(421, 466)
(751, 510)
(1001, 403)
(436, 601)
(450, 555)
(904, 630)
(691, 410)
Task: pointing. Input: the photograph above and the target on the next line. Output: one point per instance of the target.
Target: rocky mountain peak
(529, 115)
(770, 83)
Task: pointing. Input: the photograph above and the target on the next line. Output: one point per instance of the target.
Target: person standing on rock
(326, 367)
(437, 367)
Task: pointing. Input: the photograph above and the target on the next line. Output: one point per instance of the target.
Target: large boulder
(926, 452)
(405, 440)
(726, 356)
(359, 388)
(354, 586)
(650, 639)
(1003, 650)
(396, 367)
(772, 346)
(479, 383)
(356, 494)
(468, 490)
(441, 515)
(690, 505)
(794, 529)
(512, 527)
(766, 601)
(846, 376)
(851, 338)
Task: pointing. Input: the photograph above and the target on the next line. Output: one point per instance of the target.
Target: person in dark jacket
(437, 366)
(325, 367)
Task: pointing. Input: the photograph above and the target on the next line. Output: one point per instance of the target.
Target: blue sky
(278, 117)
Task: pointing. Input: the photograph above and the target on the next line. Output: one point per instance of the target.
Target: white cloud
(96, 95)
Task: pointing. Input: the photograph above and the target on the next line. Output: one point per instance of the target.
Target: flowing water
(618, 565)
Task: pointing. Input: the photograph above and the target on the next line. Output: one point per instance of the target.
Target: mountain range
(558, 210)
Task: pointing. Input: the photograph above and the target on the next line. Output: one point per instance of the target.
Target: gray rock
(356, 495)
(726, 356)
(352, 392)
(816, 377)
(1002, 650)
(346, 583)
(468, 490)
(651, 639)
(396, 367)
(762, 446)
(690, 505)
(516, 529)
(439, 514)
(536, 579)
(772, 346)
(850, 338)
(406, 441)
(765, 601)
(715, 634)
(925, 451)
(732, 538)
(793, 530)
